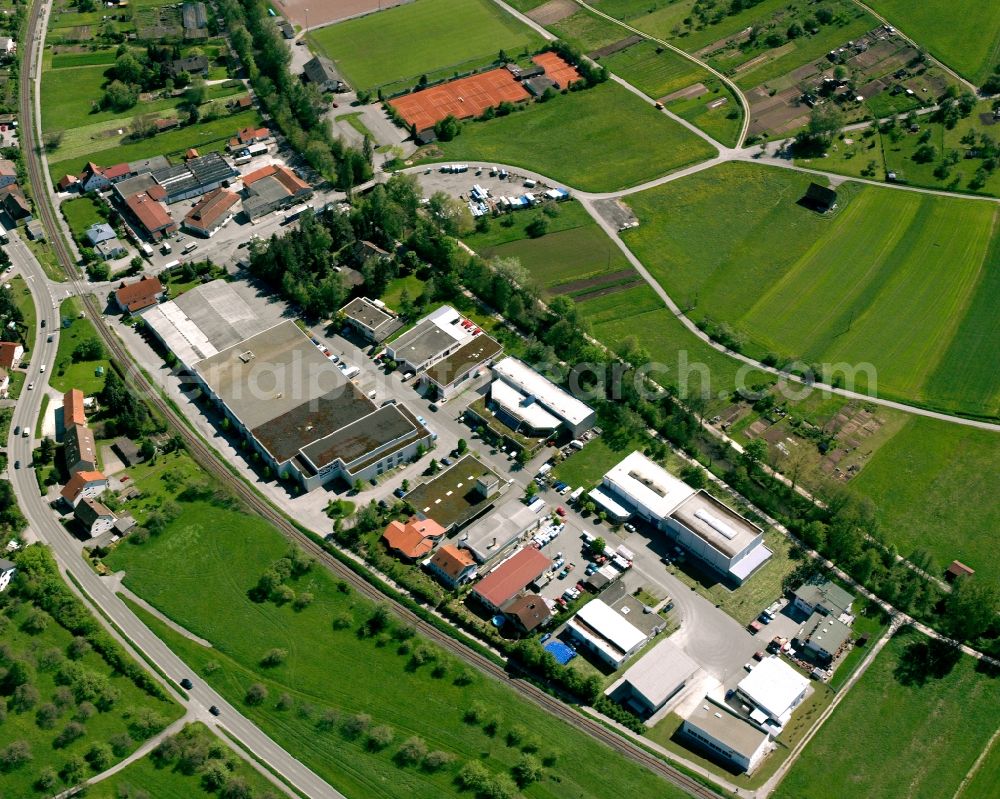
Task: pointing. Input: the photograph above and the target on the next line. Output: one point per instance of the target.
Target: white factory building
(534, 405)
(706, 527)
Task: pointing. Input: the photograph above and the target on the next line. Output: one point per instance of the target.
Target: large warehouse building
(709, 529)
(528, 402)
(292, 403)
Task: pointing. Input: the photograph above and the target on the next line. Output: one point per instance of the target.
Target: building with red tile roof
(211, 212)
(135, 297)
(151, 216)
(73, 408)
(508, 579)
(453, 566)
(11, 353)
(84, 485)
(272, 188)
(414, 539)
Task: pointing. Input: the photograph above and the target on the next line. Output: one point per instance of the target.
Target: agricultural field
(931, 484)
(916, 157)
(916, 721)
(348, 724)
(964, 36)
(573, 257)
(69, 711)
(163, 777)
(398, 45)
(571, 140)
(834, 290)
(75, 368)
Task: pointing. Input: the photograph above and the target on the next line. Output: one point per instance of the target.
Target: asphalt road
(47, 529)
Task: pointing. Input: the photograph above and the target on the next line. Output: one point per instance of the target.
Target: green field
(422, 37)
(22, 298)
(68, 687)
(206, 137)
(574, 248)
(576, 138)
(916, 738)
(198, 572)
(80, 213)
(963, 35)
(155, 777)
(67, 373)
(931, 485)
(835, 290)
(587, 32)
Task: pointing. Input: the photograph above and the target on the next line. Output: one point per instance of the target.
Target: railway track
(208, 459)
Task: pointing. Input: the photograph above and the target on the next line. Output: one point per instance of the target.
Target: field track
(209, 460)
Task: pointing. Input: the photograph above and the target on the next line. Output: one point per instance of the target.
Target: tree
(99, 756)
(90, 349)
(598, 545)
(120, 96)
(274, 657)
(447, 129)
(412, 751)
(537, 227)
(473, 776)
(825, 122)
(256, 694)
(462, 447)
(379, 737)
(14, 755)
(754, 453)
(794, 31)
(527, 770)
(970, 608)
(925, 154)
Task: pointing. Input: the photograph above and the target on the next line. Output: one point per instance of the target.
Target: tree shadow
(925, 660)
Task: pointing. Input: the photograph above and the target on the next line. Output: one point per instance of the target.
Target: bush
(473, 776)
(256, 694)
(379, 737)
(14, 755)
(437, 760)
(274, 657)
(356, 725)
(412, 751)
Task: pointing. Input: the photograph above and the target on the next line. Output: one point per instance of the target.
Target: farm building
(528, 402)
(654, 679)
(452, 566)
(138, 296)
(709, 529)
(820, 198)
(371, 319)
(774, 688)
(508, 579)
(726, 737)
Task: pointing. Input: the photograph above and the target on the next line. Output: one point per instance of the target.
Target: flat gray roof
(737, 734)
(505, 523)
(364, 312)
(270, 374)
(716, 523)
(421, 343)
(361, 436)
(660, 672)
(478, 350)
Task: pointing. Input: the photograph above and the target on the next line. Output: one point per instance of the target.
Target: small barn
(820, 199)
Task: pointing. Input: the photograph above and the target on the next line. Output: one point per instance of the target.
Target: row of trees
(295, 107)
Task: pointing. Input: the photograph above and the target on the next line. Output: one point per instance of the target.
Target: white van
(146, 249)
(165, 248)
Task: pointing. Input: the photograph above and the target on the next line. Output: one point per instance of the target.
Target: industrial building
(211, 213)
(450, 374)
(706, 527)
(434, 337)
(495, 534)
(534, 405)
(654, 679)
(372, 320)
(272, 188)
(195, 177)
(726, 737)
(511, 577)
(306, 420)
(614, 627)
(459, 495)
(775, 689)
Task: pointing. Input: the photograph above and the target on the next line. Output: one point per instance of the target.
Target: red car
(755, 626)
(561, 510)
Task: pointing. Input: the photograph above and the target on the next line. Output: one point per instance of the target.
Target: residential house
(7, 46)
(151, 216)
(111, 249)
(527, 613)
(84, 485)
(98, 232)
(14, 202)
(452, 566)
(823, 636)
(135, 297)
(414, 539)
(822, 596)
(73, 413)
(7, 569)
(4, 383)
(248, 136)
(211, 213)
(8, 172)
(93, 179)
(68, 183)
(79, 449)
(11, 353)
(193, 65)
(95, 517)
(371, 319)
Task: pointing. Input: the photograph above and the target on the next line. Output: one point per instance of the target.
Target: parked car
(17, 430)
(561, 510)
(30, 386)
(214, 710)
(43, 323)
(630, 527)
(765, 618)
(758, 655)
(748, 666)
(755, 626)
(446, 461)
(17, 464)
(187, 684)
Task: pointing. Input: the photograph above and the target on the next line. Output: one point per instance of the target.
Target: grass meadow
(400, 44)
(198, 572)
(42, 722)
(576, 138)
(151, 777)
(80, 213)
(883, 280)
(931, 485)
(965, 36)
(67, 373)
(574, 248)
(911, 732)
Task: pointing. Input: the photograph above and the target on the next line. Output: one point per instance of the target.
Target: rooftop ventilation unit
(247, 356)
(716, 524)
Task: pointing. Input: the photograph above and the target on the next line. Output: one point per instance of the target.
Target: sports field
(903, 730)
(964, 35)
(576, 139)
(199, 570)
(888, 279)
(933, 485)
(462, 98)
(420, 38)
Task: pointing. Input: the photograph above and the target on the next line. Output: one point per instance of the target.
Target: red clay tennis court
(557, 69)
(462, 98)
